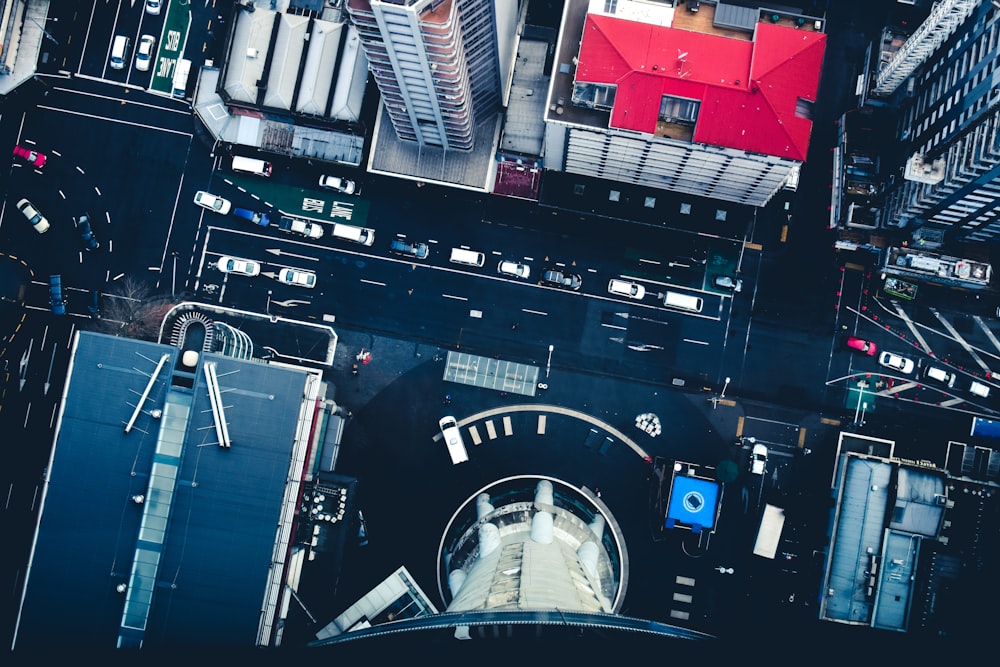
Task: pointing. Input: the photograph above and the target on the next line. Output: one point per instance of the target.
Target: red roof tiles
(748, 90)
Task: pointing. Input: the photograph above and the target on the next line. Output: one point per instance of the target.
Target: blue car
(90, 241)
(56, 301)
(256, 218)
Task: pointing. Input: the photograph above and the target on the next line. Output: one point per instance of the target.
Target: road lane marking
(115, 120)
(987, 331)
(912, 328)
(541, 424)
(373, 282)
(533, 312)
(695, 342)
(961, 341)
(457, 298)
(491, 429)
(474, 432)
(507, 430)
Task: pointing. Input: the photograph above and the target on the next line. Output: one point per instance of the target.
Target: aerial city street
(521, 320)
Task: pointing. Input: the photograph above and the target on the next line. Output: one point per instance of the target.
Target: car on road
(862, 345)
(298, 277)
(212, 202)
(729, 283)
(57, 303)
(154, 6)
(344, 185)
(36, 219)
(414, 250)
(758, 459)
(30, 156)
(90, 241)
(896, 362)
(238, 265)
(453, 439)
(940, 376)
(258, 218)
(626, 288)
(514, 269)
(145, 52)
(979, 389)
(555, 278)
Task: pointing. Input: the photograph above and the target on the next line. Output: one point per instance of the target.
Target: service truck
(305, 228)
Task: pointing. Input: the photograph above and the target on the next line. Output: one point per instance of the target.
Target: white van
(470, 257)
(979, 389)
(453, 440)
(683, 301)
(119, 52)
(361, 235)
(181, 71)
(251, 165)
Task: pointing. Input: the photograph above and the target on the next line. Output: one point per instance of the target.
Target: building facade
(948, 124)
(440, 65)
(715, 103)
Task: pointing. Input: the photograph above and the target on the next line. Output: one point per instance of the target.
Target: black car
(559, 279)
(94, 307)
(90, 241)
(415, 250)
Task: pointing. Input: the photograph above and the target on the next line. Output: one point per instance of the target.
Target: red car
(33, 157)
(862, 345)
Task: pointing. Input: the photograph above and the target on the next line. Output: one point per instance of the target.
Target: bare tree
(131, 309)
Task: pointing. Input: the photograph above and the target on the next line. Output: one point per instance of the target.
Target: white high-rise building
(441, 65)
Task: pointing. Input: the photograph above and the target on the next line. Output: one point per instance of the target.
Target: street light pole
(723, 393)
(548, 364)
(267, 308)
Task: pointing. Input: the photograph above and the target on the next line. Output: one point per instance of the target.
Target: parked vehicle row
(931, 374)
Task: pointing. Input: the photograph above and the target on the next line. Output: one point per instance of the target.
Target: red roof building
(750, 92)
(668, 100)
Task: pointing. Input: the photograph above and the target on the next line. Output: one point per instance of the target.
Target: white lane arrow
(48, 377)
(282, 253)
(24, 364)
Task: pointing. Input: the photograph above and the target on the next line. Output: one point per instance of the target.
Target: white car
(758, 459)
(297, 277)
(144, 54)
(154, 6)
(896, 362)
(212, 202)
(626, 288)
(36, 219)
(237, 265)
(345, 185)
(514, 269)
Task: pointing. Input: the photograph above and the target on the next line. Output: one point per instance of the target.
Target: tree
(131, 309)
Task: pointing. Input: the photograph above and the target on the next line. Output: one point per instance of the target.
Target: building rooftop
(150, 533)
(755, 96)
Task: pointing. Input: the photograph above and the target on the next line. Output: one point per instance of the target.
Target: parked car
(212, 202)
(36, 219)
(896, 362)
(514, 269)
(626, 288)
(90, 241)
(30, 156)
(940, 376)
(238, 265)
(414, 250)
(145, 53)
(344, 185)
(862, 345)
(258, 218)
(297, 277)
(729, 283)
(557, 278)
(56, 301)
(758, 459)
(153, 7)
